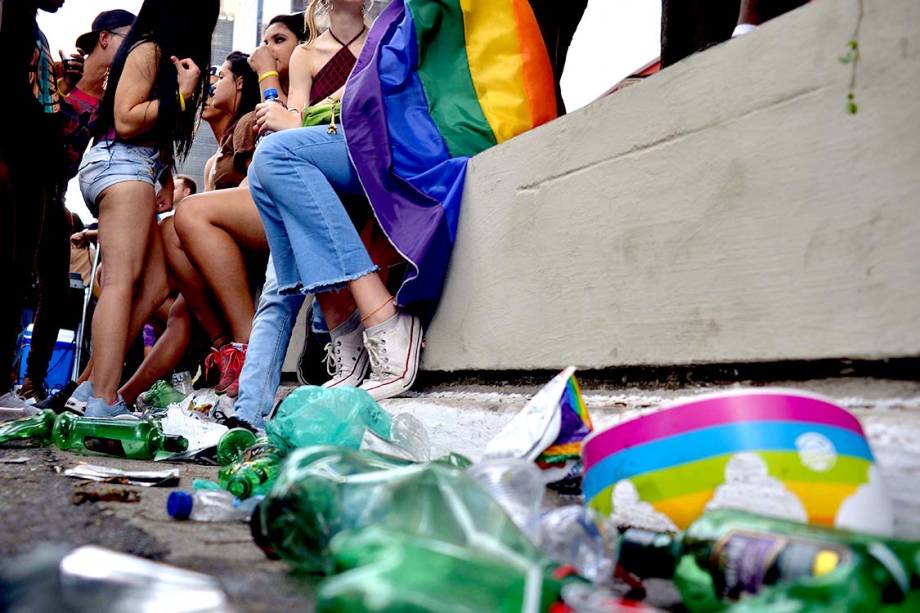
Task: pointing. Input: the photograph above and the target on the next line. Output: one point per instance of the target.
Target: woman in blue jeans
(297, 178)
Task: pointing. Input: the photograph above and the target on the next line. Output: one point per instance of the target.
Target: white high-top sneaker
(346, 356)
(393, 347)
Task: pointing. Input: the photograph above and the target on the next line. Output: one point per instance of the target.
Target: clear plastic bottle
(270, 95)
(182, 381)
(210, 505)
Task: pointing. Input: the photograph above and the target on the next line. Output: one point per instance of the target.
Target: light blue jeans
(268, 344)
(295, 178)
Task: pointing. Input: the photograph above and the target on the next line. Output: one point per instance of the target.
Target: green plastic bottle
(749, 562)
(325, 490)
(232, 444)
(254, 473)
(161, 394)
(126, 438)
(383, 570)
(36, 427)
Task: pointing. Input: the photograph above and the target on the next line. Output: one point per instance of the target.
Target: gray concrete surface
(727, 209)
(36, 499)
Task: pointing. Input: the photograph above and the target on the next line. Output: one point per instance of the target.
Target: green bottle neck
(645, 553)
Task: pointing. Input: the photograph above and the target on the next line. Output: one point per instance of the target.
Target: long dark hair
(295, 23)
(249, 93)
(181, 28)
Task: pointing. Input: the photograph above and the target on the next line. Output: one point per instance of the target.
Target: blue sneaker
(79, 398)
(97, 407)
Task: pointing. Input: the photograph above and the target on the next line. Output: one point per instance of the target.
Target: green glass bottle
(757, 563)
(232, 444)
(126, 438)
(36, 427)
(254, 473)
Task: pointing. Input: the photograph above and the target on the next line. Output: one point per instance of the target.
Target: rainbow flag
(439, 81)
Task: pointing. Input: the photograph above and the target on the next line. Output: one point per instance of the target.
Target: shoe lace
(377, 354)
(333, 358)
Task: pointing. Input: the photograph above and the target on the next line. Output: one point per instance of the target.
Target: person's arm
(263, 64)
(135, 113)
(276, 117)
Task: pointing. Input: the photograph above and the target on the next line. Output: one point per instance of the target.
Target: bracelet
(293, 110)
(181, 99)
(265, 75)
(377, 310)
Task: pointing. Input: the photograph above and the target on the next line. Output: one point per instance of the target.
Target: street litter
(308, 416)
(549, 430)
(210, 505)
(143, 478)
(14, 460)
(111, 494)
(125, 438)
(10, 413)
(411, 533)
(775, 452)
(95, 579)
(181, 419)
(755, 563)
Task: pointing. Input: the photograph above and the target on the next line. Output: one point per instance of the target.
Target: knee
(190, 217)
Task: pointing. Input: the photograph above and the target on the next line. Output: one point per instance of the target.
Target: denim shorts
(111, 162)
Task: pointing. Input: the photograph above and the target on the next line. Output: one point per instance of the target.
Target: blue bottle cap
(179, 505)
(270, 94)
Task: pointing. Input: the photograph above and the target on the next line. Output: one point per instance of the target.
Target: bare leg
(125, 224)
(192, 286)
(166, 353)
(214, 227)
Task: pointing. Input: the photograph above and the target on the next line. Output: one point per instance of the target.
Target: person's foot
(311, 368)
(97, 407)
(393, 347)
(77, 401)
(211, 370)
(346, 356)
(33, 389)
(58, 402)
(232, 357)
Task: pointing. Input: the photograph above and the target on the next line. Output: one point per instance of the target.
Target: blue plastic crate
(61, 364)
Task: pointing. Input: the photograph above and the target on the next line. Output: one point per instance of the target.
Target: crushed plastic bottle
(182, 382)
(386, 570)
(210, 505)
(94, 579)
(37, 427)
(161, 394)
(325, 490)
(518, 486)
(408, 433)
(576, 536)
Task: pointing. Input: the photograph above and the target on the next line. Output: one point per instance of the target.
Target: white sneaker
(346, 356)
(393, 347)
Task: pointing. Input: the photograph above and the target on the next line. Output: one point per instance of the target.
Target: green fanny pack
(327, 112)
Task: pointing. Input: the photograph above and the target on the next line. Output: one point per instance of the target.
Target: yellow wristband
(265, 75)
(181, 101)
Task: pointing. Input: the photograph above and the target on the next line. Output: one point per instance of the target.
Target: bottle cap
(270, 94)
(175, 444)
(179, 505)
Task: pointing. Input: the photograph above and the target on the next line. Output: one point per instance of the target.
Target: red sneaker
(231, 365)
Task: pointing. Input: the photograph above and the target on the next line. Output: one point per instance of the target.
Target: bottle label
(108, 446)
(743, 562)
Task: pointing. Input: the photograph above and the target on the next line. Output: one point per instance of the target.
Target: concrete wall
(725, 210)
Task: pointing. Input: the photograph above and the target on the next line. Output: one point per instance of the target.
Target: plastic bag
(313, 415)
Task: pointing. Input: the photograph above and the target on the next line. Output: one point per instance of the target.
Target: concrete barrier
(728, 209)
